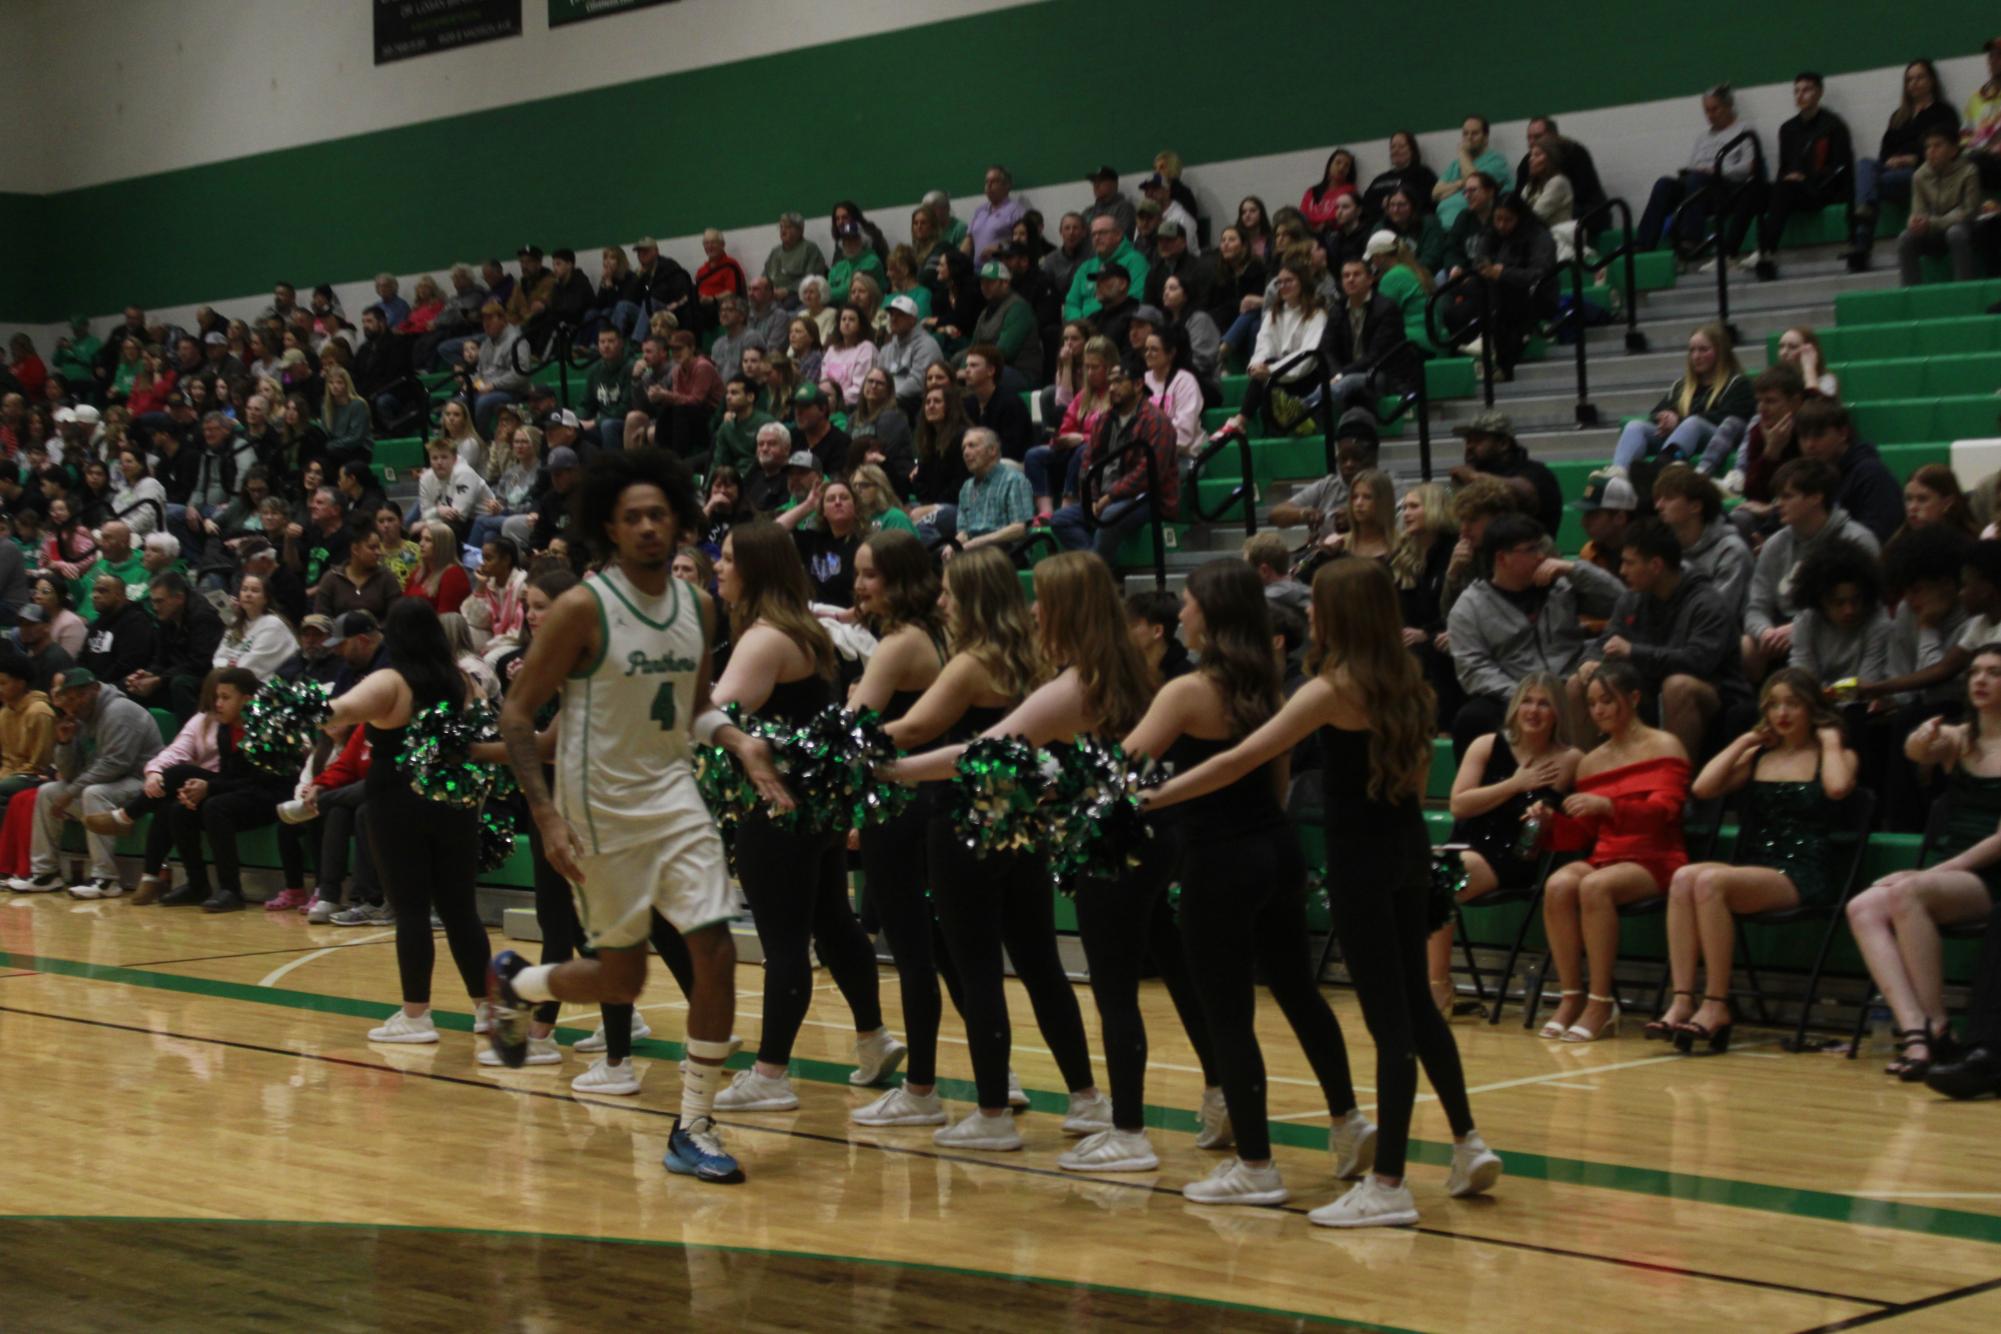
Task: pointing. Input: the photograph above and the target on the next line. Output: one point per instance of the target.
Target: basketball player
(629, 650)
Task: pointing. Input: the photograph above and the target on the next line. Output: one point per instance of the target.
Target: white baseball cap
(903, 305)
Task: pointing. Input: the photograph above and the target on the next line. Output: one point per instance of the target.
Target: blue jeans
(1116, 523)
(485, 528)
(487, 405)
(1641, 438)
(1040, 460)
(1242, 335)
(1874, 185)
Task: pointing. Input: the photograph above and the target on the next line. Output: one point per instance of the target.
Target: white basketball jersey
(622, 770)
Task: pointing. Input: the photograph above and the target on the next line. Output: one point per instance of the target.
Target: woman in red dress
(1627, 812)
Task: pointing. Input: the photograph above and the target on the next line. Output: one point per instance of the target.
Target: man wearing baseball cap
(1491, 448)
(1161, 191)
(103, 741)
(906, 354)
(1108, 202)
(1607, 507)
(1008, 322)
(1108, 246)
(1174, 258)
(1115, 303)
(531, 294)
(663, 284)
(551, 506)
(854, 256)
(813, 430)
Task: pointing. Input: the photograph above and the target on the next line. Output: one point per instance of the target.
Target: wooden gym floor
(200, 1136)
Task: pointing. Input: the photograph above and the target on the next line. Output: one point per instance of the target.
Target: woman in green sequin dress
(1794, 769)
(1896, 920)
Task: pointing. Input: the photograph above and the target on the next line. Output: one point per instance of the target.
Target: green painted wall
(1053, 89)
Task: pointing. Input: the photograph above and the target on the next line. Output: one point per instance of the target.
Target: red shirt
(33, 375)
(720, 277)
(453, 588)
(1320, 212)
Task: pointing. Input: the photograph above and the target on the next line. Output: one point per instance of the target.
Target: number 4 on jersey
(662, 711)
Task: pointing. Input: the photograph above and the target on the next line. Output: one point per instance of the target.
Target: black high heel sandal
(1718, 1039)
(1907, 1067)
(1660, 1030)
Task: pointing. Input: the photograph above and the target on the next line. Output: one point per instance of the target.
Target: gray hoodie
(1722, 556)
(113, 741)
(1495, 643)
(1771, 601)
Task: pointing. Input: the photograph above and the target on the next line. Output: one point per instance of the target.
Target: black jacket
(379, 363)
(666, 285)
(1821, 149)
(1041, 295)
(1869, 491)
(1688, 633)
(121, 644)
(187, 647)
(1382, 330)
(1114, 320)
(177, 474)
(1189, 268)
(1006, 417)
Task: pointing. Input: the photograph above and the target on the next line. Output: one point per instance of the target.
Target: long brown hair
(1084, 627)
(1807, 691)
(990, 620)
(910, 586)
(1358, 631)
(1236, 642)
(776, 591)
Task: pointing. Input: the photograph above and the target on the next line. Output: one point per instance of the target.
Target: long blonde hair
(1727, 367)
(776, 591)
(1551, 685)
(1408, 556)
(444, 554)
(990, 620)
(1084, 627)
(1358, 633)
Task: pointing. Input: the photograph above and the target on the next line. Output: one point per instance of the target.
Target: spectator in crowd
(1945, 202)
(988, 404)
(1172, 387)
(1285, 361)
(258, 638)
(793, 259)
(1236, 287)
(1322, 506)
(685, 403)
(1816, 168)
(742, 421)
(851, 355)
(495, 610)
(1948, 595)
(51, 593)
(1980, 129)
(1268, 554)
(27, 727)
(615, 304)
(1190, 324)
(399, 553)
(46, 657)
(1522, 617)
(1769, 444)
(1548, 191)
(1676, 632)
(186, 634)
(1868, 492)
(1804, 492)
(1478, 194)
(1122, 498)
(1710, 402)
(121, 634)
(765, 487)
(1107, 201)
(608, 392)
(855, 259)
(1516, 254)
(802, 345)
(1347, 235)
(1694, 192)
(1571, 158)
(994, 502)
(720, 275)
(1052, 468)
(950, 230)
(880, 430)
(764, 315)
(359, 582)
(828, 529)
(450, 491)
(814, 430)
(1159, 191)
(1072, 250)
(1492, 448)
(141, 499)
(1117, 311)
(1476, 155)
(439, 579)
(102, 741)
(1889, 175)
(1606, 509)
(907, 352)
(993, 221)
(1359, 336)
(1109, 247)
(1008, 323)
(1405, 175)
(728, 348)
(1842, 632)
(495, 379)
(1402, 278)
(1691, 505)
(1337, 182)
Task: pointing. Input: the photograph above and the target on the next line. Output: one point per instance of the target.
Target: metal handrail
(1483, 326)
(1087, 489)
(1246, 489)
(1417, 397)
(564, 355)
(1726, 201)
(1587, 412)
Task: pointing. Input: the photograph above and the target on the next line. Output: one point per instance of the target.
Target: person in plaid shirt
(1122, 504)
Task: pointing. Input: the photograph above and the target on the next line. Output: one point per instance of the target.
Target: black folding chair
(1845, 852)
(1529, 893)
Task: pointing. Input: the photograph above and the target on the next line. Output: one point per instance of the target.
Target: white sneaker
(752, 1092)
(901, 1107)
(604, 1076)
(297, 812)
(320, 912)
(1733, 481)
(1111, 1151)
(45, 883)
(1016, 1098)
(402, 1028)
(1089, 1113)
(595, 1042)
(482, 1017)
(541, 1051)
(876, 1056)
(1369, 1204)
(1215, 1131)
(1353, 1145)
(1236, 1182)
(1475, 1168)
(97, 888)
(1707, 265)
(976, 1130)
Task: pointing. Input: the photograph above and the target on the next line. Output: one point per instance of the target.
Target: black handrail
(1483, 326)
(1246, 489)
(1587, 412)
(563, 352)
(1725, 203)
(1087, 487)
(1417, 397)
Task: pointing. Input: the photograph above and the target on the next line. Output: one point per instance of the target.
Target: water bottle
(1529, 842)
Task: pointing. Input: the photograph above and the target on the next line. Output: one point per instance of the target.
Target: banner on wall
(576, 11)
(406, 28)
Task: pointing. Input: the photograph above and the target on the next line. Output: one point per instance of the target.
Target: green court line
(1179, 1299)
(1824, 1206)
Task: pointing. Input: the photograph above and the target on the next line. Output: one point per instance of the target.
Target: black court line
(253, 954)
(968, 1161)
(1896, 1309)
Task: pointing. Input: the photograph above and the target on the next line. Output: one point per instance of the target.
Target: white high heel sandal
(1554, 1030)
(1610, 1028)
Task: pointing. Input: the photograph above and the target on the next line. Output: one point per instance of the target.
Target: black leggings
(426, 855)
(1379, 881)
(1243, 912)
(1122, 924)
(985, 903)
(562, 936)
(893, 867)
(160, 834)
(797, 888)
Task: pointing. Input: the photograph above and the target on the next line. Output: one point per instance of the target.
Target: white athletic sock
(532, 982)
(698, 1091)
